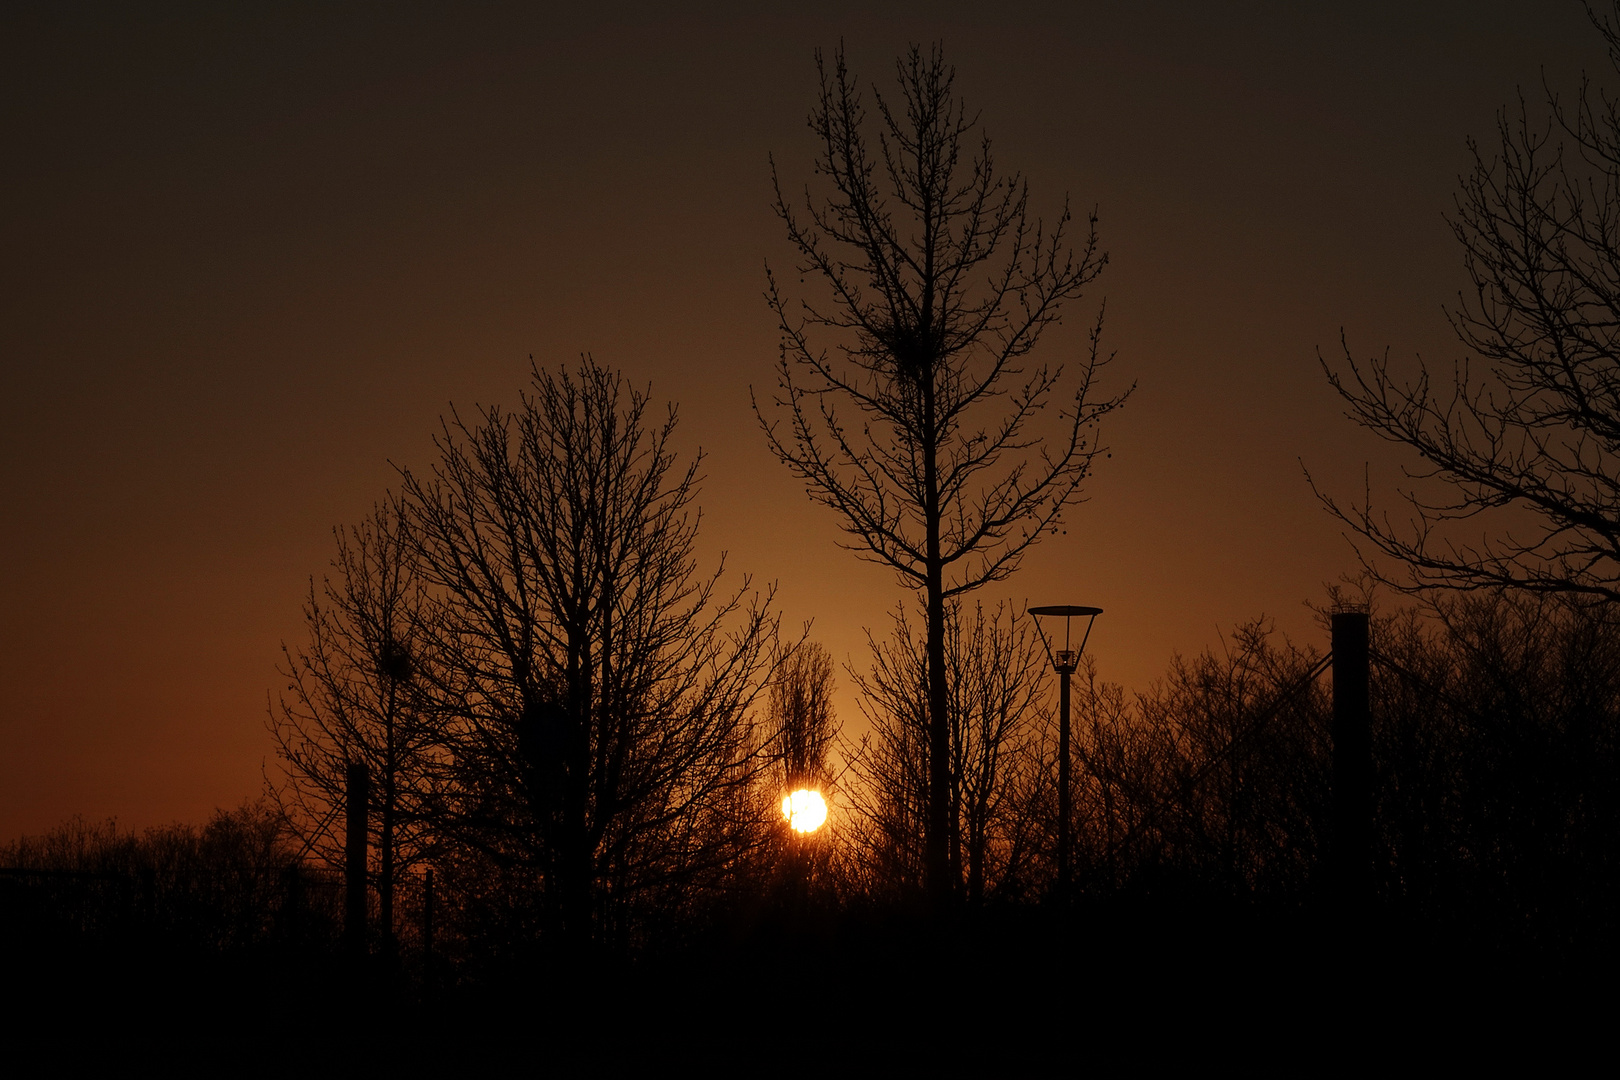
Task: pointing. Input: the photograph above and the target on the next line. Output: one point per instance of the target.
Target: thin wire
(319, 829)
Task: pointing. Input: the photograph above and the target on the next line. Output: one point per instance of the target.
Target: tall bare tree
(353, 695)
(598, 683)
(1523, 446)
(803, 725)
(904, 399)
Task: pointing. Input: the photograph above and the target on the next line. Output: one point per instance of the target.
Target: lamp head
(1066, 659)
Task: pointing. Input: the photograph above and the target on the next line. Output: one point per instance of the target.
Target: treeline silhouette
(1494, 722)
(574, 747)
(227, 886)
(1495, 718)
(1202, 807)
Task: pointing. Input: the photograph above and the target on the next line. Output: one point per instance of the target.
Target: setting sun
(805, 810)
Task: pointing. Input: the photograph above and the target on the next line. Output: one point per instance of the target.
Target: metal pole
(354, 850)
(1065, 661)
(1063, 786)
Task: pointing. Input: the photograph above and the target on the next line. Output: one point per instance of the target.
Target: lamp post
(1064, 662)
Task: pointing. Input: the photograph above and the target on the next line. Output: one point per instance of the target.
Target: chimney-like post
(354, 862)
(1351, 839)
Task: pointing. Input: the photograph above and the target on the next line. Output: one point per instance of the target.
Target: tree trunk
(385, 880)
(574, 855)
(937, 862)
(976, 831)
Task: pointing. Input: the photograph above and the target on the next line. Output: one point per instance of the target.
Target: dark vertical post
(1065, 662)
(1352, 761)
(1064, 809)
(354, 850)
(292, 907)
(427, 933)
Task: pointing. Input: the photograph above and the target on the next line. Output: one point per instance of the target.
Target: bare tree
(599, 685)
(1114, 787)
(1241, 763)
(996, 675)
(801, 729)
(800, 719)
(1532, 432)
(353, 696)
(938, 284)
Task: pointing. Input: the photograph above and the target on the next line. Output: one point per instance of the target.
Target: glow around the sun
(805, 810)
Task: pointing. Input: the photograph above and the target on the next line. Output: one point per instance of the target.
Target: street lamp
(1064, 661)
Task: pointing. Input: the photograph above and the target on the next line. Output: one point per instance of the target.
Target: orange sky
(250, 259)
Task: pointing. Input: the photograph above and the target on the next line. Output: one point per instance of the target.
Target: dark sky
(251, 256)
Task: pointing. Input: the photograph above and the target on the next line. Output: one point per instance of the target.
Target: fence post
(354, 850)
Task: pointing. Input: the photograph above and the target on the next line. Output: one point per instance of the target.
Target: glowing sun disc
(805, 810)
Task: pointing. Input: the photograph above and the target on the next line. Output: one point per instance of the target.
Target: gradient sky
(251, 256)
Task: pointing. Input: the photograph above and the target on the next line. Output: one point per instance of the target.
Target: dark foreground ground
(1017, 993)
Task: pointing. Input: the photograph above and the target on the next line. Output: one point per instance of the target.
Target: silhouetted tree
(1533, 432)
(208, 890)
(1497, 740)
(996, 681)
(1237, 792)
(938, 285)
(354, 694)
(596, 685)
(801, 729)
(800, 719)
(1496, 737)
(1114, 770)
